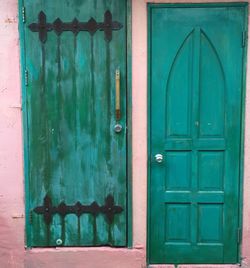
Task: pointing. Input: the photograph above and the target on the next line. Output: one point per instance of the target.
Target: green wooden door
(76, 162)
(196, 70)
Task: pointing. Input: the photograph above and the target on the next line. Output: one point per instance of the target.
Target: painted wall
(12, 251)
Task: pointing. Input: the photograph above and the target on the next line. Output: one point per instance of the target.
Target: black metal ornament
(91, 26)
(48, 210)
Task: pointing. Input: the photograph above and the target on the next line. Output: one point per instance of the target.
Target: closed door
(196, 72)
(75, 121)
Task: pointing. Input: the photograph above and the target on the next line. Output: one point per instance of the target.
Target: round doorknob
(118, 128)
(159, 158)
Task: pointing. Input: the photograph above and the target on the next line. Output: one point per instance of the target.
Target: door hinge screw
(244, 38)
(26, 78)
(23, 14)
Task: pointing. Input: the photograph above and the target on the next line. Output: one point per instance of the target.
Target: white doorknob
(159, 158)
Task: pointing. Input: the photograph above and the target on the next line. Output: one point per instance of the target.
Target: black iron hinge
(23, 14)
(109, 209)
(108, 25)
(244, 38)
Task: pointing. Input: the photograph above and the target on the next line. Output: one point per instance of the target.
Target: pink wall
(11, 174)
(12, 252)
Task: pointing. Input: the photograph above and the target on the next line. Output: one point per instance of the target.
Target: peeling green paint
(74, 153)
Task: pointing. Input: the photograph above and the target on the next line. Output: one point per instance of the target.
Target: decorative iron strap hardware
(48, 210)
(42, 27)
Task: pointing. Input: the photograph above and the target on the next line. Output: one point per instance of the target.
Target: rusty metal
(91, 26)
(109, 209)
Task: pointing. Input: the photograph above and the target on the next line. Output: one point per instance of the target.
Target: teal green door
(75, 160)
(196, 73)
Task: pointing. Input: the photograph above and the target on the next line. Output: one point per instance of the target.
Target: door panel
(77, 162)
(196, 59)
(212, 91)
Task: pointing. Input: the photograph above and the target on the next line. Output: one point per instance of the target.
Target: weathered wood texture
(74, 153)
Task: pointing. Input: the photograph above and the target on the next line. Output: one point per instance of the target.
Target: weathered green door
(76, 161)
(196, 68)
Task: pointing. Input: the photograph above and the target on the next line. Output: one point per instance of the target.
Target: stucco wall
(12, 252)
(11, 174)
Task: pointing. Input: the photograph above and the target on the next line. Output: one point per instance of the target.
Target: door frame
(25, 138)
(150, 6)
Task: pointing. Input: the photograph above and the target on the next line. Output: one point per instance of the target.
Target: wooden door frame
(21, 22)
(243, 104)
